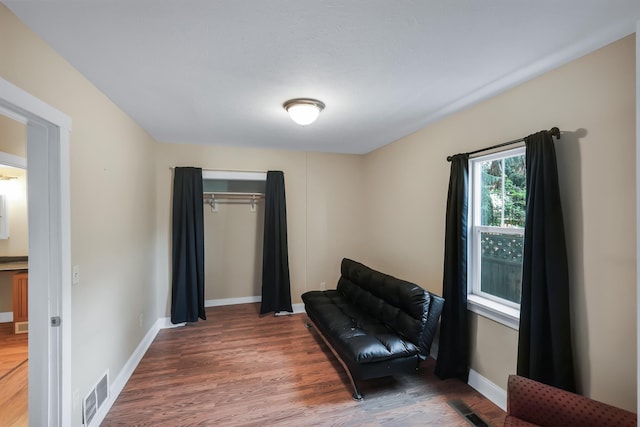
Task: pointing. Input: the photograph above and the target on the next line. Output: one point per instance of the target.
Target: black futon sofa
(376, 325)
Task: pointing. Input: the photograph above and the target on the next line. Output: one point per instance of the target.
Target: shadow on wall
(568, 153)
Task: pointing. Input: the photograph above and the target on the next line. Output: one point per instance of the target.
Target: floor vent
(467, 413)
(21, 327)
(95, 400)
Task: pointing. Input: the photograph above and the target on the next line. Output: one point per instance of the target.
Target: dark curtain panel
(453, 350)
(187, 288)
(276, 288)
(544, 343)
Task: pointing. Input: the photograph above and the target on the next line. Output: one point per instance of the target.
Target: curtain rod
(222, 170)
(554, 131)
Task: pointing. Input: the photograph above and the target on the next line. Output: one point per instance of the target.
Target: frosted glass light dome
(303, 111)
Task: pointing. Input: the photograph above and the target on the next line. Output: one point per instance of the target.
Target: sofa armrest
(544, 405)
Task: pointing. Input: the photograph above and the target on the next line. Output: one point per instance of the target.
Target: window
(496, 234)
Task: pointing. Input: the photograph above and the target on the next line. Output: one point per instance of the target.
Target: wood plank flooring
(239, 369)
(13, 377)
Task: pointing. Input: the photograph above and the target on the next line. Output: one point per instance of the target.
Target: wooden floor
(13, 377)
(237, 369)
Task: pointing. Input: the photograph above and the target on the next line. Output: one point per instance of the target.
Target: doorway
(49, 285)
(13, 274)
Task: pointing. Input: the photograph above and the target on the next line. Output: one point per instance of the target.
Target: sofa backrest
(402, 306)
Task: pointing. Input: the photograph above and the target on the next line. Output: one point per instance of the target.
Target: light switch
(75, 275)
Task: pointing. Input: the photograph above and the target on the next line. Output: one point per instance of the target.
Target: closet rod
(230, 195)
(213, 198)
(554, 131)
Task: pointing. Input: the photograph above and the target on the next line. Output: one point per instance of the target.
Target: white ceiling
(218, 71)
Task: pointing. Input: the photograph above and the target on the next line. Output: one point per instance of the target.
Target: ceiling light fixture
(303, 111)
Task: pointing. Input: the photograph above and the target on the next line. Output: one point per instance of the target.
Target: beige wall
(233, 251)
(335, 229)
(324, 192)
(592, 101)
(13, 137)
(112, 207)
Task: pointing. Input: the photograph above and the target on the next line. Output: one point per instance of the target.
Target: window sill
(507, 316)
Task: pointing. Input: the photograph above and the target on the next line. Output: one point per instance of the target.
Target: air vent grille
(102, 390)
(21, 327)
(96, 398)
(468, 414)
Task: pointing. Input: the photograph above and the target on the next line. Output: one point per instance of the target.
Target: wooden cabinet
(20, 301)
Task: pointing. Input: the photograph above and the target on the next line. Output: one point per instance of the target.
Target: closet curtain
(276, 287)
(453, 350)
(544, 343)
(187, 284)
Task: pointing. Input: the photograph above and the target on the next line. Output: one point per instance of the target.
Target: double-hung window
(497, 195)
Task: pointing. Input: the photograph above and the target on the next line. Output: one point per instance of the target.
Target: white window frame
(487, 305)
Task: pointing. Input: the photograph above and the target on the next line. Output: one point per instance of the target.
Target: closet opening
(234, 233)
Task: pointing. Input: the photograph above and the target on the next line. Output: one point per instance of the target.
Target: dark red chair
(530, 403)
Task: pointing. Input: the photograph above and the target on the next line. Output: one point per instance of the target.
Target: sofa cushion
(356, 335)
(404, 307)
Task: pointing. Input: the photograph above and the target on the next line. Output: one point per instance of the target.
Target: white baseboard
(165, 323)
(297, 308)
(127, 370)
(488, 389)
(485, 387)
(231, 301)
(6, 317)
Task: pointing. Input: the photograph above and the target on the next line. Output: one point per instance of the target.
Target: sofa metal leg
(356, 393)
(357, 396)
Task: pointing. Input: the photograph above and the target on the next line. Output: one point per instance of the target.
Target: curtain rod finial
(554, 131)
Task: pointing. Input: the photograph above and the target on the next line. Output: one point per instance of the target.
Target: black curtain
(453, 350)
(187, 286)
(276, 287)
(544, 343)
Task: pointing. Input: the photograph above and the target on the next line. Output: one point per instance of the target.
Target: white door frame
(48, 198)
(638, 216)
